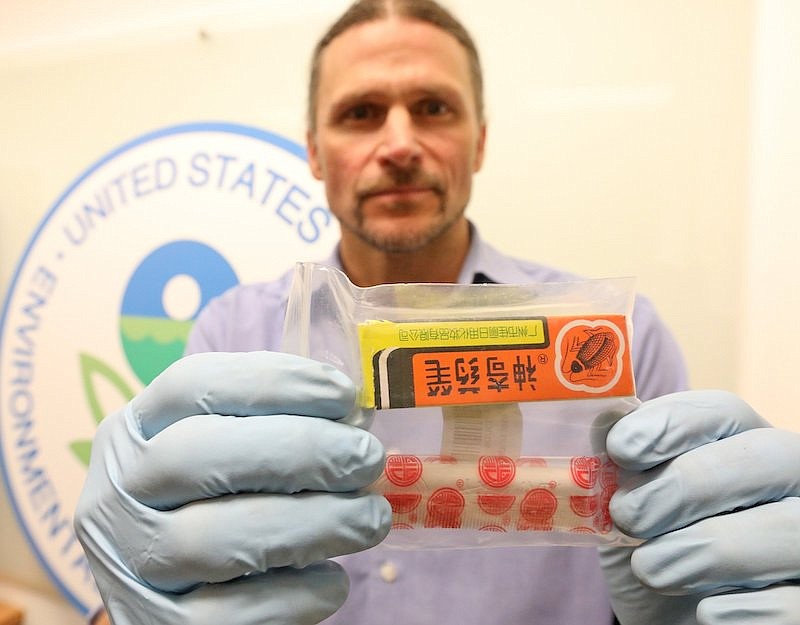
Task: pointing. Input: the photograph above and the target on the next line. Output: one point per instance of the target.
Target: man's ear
(313, 157)
(480, 148)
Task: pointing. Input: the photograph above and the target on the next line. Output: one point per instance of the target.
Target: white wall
(651, 138)
(768, 332)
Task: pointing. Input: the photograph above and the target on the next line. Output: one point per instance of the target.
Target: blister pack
(493, 401)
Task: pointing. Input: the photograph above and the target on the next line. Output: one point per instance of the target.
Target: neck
(440, 261)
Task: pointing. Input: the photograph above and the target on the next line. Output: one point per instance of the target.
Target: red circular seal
(583, 505)
(403, 470)
(496, 471)
(403, 503)
(537, 509)
(494, 504)
(584, 470)
(445, 507)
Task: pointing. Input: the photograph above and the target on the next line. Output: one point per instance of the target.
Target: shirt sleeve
(245, 318)
(658, 363)
(205, 333)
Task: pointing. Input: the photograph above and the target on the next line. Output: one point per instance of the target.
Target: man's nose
(399, 142)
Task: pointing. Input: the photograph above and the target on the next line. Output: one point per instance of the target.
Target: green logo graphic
(161, 302)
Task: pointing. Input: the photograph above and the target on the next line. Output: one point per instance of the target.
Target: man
(220, 492)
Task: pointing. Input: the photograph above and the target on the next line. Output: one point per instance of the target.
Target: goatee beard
(404, 242)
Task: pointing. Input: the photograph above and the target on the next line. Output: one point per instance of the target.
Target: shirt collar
(485, 260)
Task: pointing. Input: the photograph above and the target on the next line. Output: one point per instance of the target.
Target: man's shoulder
(519, 270)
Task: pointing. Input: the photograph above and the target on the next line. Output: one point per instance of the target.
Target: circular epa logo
(106, 292)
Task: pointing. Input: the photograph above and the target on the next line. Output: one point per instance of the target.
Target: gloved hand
(715, 494)
(215, 497)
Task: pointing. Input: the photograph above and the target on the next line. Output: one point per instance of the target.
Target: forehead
(392, 55)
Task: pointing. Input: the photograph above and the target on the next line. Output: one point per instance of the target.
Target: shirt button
(388, 571)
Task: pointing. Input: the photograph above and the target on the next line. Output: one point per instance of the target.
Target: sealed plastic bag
(493, 401)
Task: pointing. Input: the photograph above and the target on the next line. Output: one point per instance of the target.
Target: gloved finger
(744, 470)
(750, 548)
(242, 384)
(634, 603)
(668, 426)
(280, 597)
(202, 457)
(222, 539)
(778, 605)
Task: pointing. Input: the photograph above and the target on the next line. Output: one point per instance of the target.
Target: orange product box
(410, 364)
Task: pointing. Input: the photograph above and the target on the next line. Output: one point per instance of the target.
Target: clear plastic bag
(493, 401)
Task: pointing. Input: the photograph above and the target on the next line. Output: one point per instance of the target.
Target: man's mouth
(399, 192)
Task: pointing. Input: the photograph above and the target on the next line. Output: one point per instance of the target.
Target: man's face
(397, 133)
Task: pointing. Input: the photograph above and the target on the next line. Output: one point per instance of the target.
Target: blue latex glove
(215, 497)
(715, 493)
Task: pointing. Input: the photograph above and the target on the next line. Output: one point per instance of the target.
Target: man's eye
(432, 108)
(361, 112)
